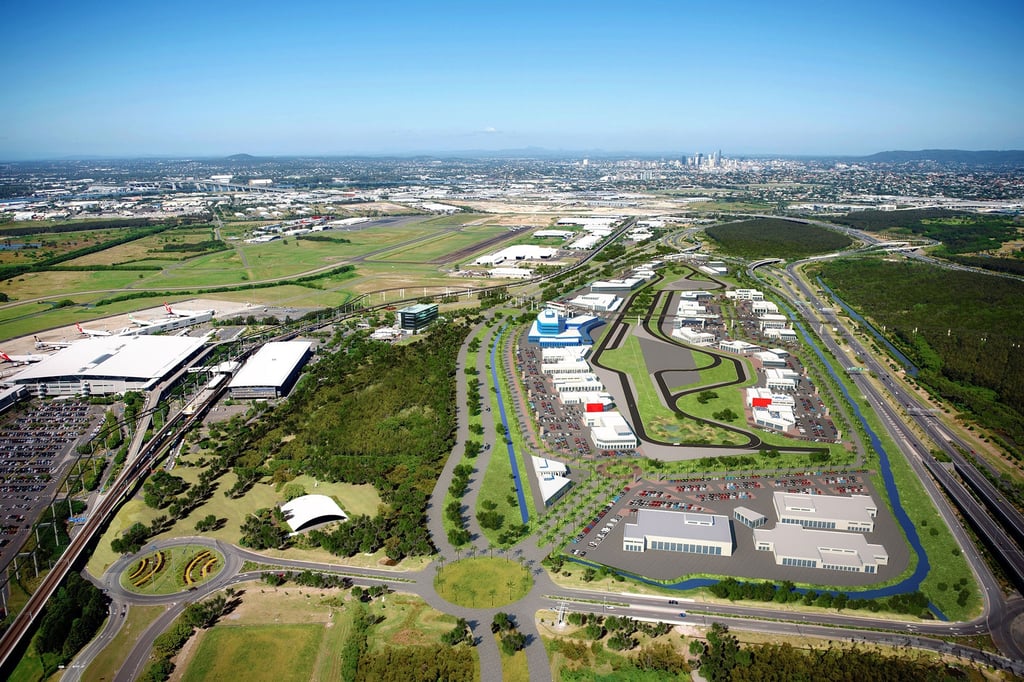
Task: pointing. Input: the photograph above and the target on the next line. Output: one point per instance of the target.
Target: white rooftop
(550, 477)
(271, 364)
(829, 547)
(129, 357)
(673, 524)
(302, 511)
(859, 508)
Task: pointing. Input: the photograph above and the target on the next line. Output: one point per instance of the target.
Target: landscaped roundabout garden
(172, 570)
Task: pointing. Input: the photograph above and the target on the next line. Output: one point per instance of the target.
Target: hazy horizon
(121, 80)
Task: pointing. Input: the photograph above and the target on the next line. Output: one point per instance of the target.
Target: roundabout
(170, 570)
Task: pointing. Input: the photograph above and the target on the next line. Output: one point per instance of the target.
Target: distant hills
(1008, 157)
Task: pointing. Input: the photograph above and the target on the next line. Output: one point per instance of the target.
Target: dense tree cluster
(370, 413)
(510, 639)
(439, 662)
(963, 330)
(776, 238)
(72, 617)
(161, 487)
(958, 232)
(723, 659)
(265, 530)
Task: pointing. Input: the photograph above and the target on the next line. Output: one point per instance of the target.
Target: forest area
(963, 330)
(959, 233)
(370, 412)
(776, 238)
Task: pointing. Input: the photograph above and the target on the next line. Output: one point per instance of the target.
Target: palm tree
(510, 583)
(492, 592)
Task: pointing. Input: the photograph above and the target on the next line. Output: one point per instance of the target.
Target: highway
(998, 615)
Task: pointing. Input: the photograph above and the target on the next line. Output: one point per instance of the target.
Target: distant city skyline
(321, 79)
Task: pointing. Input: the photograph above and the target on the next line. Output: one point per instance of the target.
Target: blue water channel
(912, 582)
(504, 420)
(903, 359)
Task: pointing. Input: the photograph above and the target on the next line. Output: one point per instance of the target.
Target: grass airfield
(411, 254)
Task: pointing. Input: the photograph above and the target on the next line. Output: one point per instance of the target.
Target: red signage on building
(761, 402)
(595, 407)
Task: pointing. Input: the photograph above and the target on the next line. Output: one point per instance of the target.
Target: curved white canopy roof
(304, 511)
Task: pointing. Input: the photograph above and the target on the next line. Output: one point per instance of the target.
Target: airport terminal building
(272, 371)
(106, 365)
(673, 531)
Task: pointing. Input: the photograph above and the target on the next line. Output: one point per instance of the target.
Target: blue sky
(214, 78)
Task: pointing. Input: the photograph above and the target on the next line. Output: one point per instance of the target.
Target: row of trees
(722, 659)
(914, 603)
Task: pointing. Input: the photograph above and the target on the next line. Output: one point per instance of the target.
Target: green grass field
(482, 582)
(303, 630)
(659, 420)
(444, 244)
(274, 653)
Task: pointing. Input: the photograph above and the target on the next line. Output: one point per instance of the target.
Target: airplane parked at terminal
(141, 323)
(91, 332)
(186, 313)
(21, 358)
(48, 345)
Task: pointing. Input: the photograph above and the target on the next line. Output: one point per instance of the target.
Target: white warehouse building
(272, 371)
(830, 550)
(829, 512)
(672, 531)
(610, 431)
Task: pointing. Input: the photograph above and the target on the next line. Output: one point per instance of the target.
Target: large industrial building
(673, 531)
(106, 365)
(829, 512)
(272, 371)
(830, 550)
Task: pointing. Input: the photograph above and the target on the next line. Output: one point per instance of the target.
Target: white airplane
(46, 345)
(185, 313)
(141, 323)
(91, 332)
(21, 358)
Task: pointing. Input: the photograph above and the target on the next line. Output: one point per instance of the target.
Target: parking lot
(601, 539)
(36, 444)
(561, 426)
(813, 422)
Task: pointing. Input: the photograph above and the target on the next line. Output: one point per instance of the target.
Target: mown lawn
(483, 582)
(274, 653)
